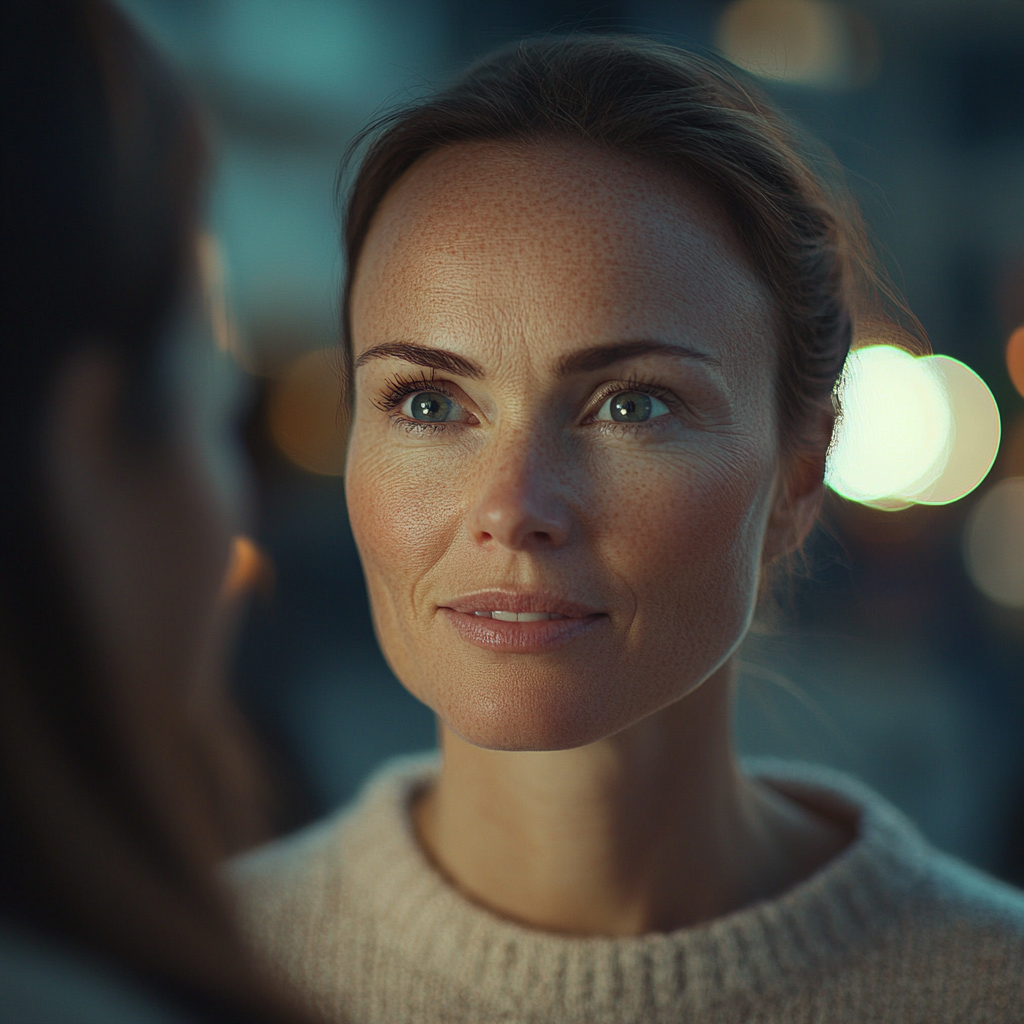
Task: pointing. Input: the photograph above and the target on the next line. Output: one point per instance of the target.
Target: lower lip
(520, 637)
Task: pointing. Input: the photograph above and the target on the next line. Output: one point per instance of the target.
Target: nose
(521, 504)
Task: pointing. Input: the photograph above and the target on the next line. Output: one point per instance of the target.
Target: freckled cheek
(677, 533)
(404, 515)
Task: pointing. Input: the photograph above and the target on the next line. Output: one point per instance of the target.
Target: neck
(652, 829)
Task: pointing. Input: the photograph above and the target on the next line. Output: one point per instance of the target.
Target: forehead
(551, 245)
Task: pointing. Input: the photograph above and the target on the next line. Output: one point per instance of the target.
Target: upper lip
(519, 601)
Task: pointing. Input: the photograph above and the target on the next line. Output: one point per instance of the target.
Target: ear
(798, 494)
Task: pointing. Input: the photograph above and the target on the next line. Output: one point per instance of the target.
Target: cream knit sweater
(353, 913)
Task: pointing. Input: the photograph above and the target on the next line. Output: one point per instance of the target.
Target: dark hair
(802, 232)
(112, 816)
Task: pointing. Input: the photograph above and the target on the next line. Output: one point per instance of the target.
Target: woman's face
(563, 464)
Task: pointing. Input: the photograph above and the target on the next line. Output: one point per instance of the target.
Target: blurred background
(897, 650)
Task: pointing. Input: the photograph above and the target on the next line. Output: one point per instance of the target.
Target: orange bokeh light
(1015, 358)
(305, 413)
(249, 569)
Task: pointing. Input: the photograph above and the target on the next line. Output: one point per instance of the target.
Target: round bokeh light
(975, 435)
(305, 413)
(994, 543)
(895, 427)
(1015, 358)
(803, 42)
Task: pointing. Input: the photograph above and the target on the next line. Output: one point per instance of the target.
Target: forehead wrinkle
(594, 246)
(491, 235)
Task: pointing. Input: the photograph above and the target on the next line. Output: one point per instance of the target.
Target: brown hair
(113, 800)
(801, 230)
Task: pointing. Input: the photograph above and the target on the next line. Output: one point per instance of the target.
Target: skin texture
(589, 783)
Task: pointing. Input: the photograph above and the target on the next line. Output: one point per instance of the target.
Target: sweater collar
(815, 926)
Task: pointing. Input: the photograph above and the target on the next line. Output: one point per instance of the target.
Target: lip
(520, 637)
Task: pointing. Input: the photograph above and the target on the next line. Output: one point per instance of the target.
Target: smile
(519, 622)
(503, 616)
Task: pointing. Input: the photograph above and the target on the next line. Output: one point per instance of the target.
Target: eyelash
(647, 387)
(398, 388)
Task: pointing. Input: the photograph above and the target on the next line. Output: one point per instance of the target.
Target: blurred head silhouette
(120, 496)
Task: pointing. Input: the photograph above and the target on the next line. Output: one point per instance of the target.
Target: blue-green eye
(430, 407)
(632, 407)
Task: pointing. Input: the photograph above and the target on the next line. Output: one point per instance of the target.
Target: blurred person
(596, 307)
(124, 779)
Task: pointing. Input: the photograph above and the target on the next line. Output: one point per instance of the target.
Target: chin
(567, 698)
(536, 713)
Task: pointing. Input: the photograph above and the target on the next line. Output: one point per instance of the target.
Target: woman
(596, 308)
(120, 497)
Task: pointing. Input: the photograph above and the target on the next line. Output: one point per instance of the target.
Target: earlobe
(795, 507)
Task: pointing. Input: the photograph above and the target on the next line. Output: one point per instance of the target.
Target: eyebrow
(424, 355)
(587, 360)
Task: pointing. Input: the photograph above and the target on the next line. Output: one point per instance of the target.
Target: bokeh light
(912, 430)
(975, 436)
(994, 543)
(305, 413)
(1015, 358)
(250, 569)
(213, 280)
(803, 42)
(894, 429)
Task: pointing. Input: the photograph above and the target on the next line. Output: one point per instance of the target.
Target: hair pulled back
(805, 238)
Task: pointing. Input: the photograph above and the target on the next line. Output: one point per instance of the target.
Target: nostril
(514, 519)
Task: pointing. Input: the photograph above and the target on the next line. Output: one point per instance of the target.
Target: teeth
(519, 616)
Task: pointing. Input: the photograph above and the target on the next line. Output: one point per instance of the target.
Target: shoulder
(378, 815)
(958, 905)
(45, 983)
(917, 924)
(290, 901)
(299, 889)
(956, 952)
(288, 862)
(937, 892)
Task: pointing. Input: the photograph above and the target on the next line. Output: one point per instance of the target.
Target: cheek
(401, 509)
(404, 515)
(684, 535)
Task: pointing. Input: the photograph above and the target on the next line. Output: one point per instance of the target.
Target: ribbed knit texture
(352, 912)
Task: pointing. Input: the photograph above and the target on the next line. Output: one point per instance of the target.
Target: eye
(430, 407)
(631, 407)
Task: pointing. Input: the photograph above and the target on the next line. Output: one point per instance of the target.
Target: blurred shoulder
(288, 856)
(957, 952)
(304, 884)
(921, 930)
(957, 903)
(290, 873)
